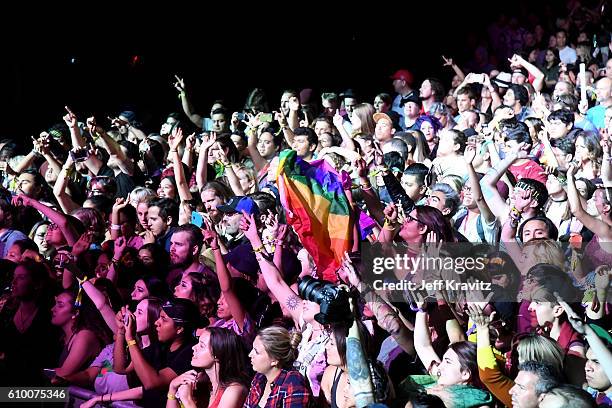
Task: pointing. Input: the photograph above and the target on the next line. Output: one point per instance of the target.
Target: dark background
(86, 58)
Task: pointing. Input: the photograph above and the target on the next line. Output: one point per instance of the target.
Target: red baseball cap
(403, 74)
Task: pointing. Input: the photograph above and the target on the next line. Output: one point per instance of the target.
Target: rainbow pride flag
(317, 209)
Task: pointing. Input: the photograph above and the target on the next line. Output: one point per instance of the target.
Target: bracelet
(115, 227)
(131, 343)
(173, 151)
(256, 250)
(171, 397)
(214, 248)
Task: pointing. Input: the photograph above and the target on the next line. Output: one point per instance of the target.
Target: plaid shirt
(289, 390)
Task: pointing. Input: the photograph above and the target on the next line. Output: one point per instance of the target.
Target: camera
(334, 300)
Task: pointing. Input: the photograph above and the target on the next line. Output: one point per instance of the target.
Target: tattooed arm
(358, 369)
(287, 298)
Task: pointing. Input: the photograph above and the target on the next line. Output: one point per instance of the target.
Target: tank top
(334, 389)
(215, 403)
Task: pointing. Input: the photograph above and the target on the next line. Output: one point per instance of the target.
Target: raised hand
(476, 312)
(572, 168)
(208, 139)
(391, 213)
(249, 227)
(83, 243)
(294, 104)
(523, 200)
(283, 230)
(603, 276)
(210, 235)
(190, 142)
(70, 118)
(120, 203)
(348, 272)
(280, 118)
(448, 62)
(130, 326)
(470, 153)
(175, 138)
(120, 245)
(272, 223)
(338, 120)
(361, 167)
(572, 317)
(179, 84)
(433, 244)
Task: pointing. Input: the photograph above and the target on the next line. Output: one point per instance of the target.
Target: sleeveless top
(334, 389)
(215, 403)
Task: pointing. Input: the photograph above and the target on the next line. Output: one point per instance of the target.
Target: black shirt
(179, 361)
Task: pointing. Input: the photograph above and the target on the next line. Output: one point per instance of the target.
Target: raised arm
(253, 134)
(93, 163)
(422, 339)
(448, 62)
(186, 104)
(387, 317)
(202, 169)
(488, 184)
(599, 228)
(347, 140)
(278, 287)
(61, 184)
(113, 148)
(147, 374)
(606, 167)
(54, 216)
(225, 280)
(284, 124)
(182, 185)
(538, 75)
(485, 211)
(294, 118)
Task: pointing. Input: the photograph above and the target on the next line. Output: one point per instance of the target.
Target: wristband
(131, 343)
(171, 397)
(115, 227)
(256, 250)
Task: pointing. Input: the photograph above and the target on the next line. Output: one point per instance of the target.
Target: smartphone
(126, 319)
(208, 125)
(79, 156)
(197, 219)
(241, 116)
(265, 117)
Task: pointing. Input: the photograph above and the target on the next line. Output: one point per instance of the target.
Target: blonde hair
(545, 251)
(280, 344)
(141, 194)
(539, 348)
(250, 175)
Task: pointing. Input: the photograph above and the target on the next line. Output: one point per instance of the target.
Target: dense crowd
(221, 261)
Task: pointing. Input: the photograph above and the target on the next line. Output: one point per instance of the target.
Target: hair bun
(295, 338)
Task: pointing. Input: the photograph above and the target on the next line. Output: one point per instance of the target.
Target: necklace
(24, 322)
